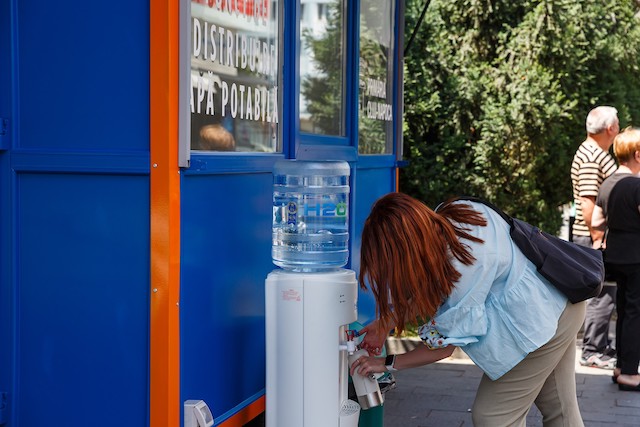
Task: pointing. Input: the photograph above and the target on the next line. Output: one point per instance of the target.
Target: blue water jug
(310, 215)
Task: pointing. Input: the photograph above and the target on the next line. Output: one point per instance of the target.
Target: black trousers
(628, 324)
(598, 315)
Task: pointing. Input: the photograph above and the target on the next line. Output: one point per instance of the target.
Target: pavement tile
(441, 395)
(629, 403)
(445, 418)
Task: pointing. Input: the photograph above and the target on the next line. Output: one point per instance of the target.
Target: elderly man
(592, 163)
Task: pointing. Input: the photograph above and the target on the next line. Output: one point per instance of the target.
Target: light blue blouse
(501, 309)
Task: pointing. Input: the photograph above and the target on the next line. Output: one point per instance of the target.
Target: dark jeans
(628, 324)
(598, 314)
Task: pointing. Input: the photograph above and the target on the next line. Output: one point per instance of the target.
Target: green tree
(496, 94)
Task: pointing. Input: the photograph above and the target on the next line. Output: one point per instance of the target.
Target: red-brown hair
(407, 253)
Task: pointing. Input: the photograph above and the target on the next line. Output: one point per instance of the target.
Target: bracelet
(389, 361)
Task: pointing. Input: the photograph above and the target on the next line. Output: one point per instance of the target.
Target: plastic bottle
(310, 215)
(367, 388)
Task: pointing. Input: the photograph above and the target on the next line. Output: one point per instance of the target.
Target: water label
(292, 213)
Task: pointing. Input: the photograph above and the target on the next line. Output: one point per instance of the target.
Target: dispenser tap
(350, 344)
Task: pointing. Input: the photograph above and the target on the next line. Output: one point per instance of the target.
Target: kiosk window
(234, 75)
(322, 67)
(375, 116)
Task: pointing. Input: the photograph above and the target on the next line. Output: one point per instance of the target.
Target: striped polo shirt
(591, 165)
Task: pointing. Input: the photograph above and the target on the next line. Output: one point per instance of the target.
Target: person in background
(216, 138)
(618, 210)
(592, 164)
(459, 270)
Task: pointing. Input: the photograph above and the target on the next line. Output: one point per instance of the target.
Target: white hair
(600, 118)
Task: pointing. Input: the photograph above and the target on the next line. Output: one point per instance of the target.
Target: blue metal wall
(374, 177)
(75, 196)
(74, 223)
(6, 270)
(82, 300)
(226, 255)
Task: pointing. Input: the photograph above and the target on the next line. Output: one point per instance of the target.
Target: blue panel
(369, 185)
(226, 256)
(290, 123)
(6, 271)
(83, 280)
(5, 59)
(102, 162)
(326, 152)
(212, 163)
(6, 292)
(84, 75)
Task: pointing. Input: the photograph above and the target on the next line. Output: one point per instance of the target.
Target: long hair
(407, 253)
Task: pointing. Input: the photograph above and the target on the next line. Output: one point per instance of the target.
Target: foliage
(496, 94)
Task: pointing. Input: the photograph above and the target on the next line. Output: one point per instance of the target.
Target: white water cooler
(307, 315)
(312, 300)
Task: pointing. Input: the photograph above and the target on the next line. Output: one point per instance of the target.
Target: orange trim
(246, 414)
(164, 382)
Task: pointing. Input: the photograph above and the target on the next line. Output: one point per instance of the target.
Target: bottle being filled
(310, 215)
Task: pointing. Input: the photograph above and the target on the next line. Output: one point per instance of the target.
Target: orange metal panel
(246, 414)
(164, 405)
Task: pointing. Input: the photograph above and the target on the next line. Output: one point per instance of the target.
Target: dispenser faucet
(350, 344)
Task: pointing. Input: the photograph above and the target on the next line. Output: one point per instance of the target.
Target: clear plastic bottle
(310, 215)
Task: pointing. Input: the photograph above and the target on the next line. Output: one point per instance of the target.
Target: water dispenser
(311, 300)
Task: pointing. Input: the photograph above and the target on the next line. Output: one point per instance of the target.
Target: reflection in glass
(376, 77)
(322, 67)
(234, 75)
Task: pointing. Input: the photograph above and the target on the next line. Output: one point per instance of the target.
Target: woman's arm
(598, 221)
(419, 356)
(422, 355)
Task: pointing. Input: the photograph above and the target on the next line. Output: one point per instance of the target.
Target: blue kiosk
(137, 141)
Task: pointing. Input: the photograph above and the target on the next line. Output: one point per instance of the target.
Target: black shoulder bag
(576, 271)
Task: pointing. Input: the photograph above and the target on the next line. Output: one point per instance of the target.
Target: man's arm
(588, 203)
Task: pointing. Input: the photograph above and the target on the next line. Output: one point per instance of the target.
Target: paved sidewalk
(441, 395)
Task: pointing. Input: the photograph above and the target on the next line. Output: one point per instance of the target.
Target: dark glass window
(322, 67)
(234, 75)
(376, 77)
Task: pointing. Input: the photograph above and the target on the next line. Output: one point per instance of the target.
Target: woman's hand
(374, 338)
(367, 365)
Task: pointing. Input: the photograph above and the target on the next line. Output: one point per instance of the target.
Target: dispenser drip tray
(349, 414)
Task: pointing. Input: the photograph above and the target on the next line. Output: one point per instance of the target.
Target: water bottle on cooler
(310, 215)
